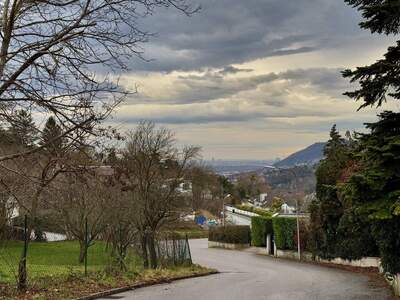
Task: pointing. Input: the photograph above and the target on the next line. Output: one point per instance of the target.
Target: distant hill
(229, 167)
(308, 156)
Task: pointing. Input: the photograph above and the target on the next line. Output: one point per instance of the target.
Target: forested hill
(308, 156)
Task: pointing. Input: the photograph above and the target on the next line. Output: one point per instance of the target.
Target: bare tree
(155, 167)
(121, 233)
(82, 201)
(206, 189)
(57, 56)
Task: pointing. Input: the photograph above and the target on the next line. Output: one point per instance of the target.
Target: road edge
(143, 284)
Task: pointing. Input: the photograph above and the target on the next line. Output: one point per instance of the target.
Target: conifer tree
(380, 80)
(50, 135)
(23, 130)
(373, 190)
(327, 209)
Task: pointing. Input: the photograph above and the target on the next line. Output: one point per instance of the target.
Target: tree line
(357, 210)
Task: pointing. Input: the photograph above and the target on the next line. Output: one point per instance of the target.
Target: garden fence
(173, 249)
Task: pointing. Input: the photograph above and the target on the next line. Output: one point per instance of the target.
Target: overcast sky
(254, 79)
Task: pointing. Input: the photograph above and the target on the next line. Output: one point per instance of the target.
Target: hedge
(260, 228)
(284, 231)
(232, 234)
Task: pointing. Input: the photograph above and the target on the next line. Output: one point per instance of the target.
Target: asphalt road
(245, 275)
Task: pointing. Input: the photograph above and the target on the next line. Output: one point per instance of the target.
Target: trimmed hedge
(284, 231)
(232, 234)
(260, 228)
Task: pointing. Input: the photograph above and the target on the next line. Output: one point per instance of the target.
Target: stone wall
(366, 262)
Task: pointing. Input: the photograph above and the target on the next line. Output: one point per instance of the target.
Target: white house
(286, 209)
(12, 208)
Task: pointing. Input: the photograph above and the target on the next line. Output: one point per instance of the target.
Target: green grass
(79, 285)
(55, 273)
(54, 259)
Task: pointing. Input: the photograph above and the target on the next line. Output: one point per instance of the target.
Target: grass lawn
(54, 259)
(77, 286)
(55, 273)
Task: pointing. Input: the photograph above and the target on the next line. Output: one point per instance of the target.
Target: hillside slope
(308, 156)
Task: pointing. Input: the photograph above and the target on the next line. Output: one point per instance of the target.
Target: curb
(142, 285)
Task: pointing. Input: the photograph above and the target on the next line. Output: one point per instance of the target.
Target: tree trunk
(82, 251)
(144, 251)
(34, 208)
(22, 271)
(22, 275)
(152, 251)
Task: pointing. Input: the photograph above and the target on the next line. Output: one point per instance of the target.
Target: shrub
(387, 234)
(260, 228)
(233, 234)
(305, 236)
(284, 231)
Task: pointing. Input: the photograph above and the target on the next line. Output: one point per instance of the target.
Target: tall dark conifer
(23, 131)
(373, 191)
(380, 80)
(327, 209)
(50, 136)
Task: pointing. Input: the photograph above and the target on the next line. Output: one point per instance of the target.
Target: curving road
(245, 275)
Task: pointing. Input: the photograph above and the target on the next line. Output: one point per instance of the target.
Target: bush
(387, 234)
(284, 231)
(305, 236)
(234, 234)
(260, 228)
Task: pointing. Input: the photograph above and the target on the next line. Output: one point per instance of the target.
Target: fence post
(86, 244)
(22, 272)
(188, 247)
(173, 250)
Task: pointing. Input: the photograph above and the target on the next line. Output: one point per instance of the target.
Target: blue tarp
(200, 220)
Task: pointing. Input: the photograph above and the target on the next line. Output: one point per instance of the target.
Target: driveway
(245, 275)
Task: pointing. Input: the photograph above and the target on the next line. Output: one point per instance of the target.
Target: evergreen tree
(23, 130)
(327, 209)
(374, 190)
(381, 79)
(50, 135)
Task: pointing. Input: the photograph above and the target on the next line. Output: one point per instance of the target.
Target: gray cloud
(267, 88)
(233, 70)
(205, 88)
(236, 31)
(288, 101)
(197, 118)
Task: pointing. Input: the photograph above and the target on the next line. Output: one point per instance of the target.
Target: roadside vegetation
(74, 285)
(231, 234)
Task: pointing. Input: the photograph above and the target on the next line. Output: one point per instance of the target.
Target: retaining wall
(366, 262)
(212, 244)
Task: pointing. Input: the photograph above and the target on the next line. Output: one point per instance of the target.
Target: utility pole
(297, 212)
(223, 210)
(298, 229)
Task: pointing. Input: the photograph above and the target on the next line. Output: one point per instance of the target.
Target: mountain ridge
(307, 156)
